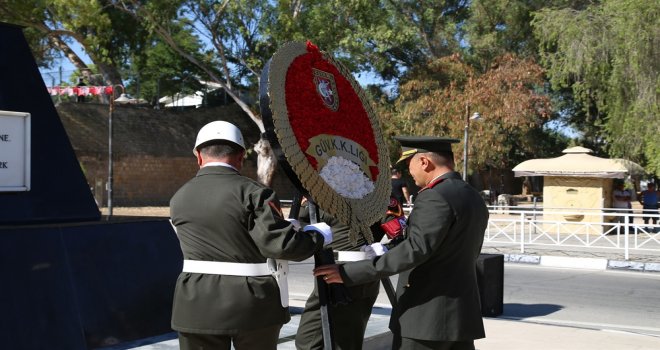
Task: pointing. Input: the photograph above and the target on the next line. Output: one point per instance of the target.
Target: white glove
(296, 223)
(323, 229)
(374, 250)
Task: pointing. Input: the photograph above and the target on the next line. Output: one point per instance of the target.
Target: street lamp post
(121, 98)
(474, 116)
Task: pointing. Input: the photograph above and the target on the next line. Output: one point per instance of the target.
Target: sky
(51, 76)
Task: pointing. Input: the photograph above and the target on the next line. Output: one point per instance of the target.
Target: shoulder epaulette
(431, 185)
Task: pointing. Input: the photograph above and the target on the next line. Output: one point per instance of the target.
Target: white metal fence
(601, 229)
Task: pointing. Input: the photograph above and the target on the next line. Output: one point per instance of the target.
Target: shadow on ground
(530, 310)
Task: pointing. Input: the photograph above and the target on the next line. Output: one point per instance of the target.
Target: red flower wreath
(309, 116)
(321, 122)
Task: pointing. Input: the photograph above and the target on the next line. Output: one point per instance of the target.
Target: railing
(590, 229)
(587, 228)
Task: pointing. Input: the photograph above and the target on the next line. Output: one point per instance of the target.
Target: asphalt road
(607, 300)
(611, 300)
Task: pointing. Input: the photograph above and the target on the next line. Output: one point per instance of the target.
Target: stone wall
(152, 149)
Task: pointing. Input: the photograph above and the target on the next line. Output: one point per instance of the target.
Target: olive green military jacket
(222, 216)
(437, 292)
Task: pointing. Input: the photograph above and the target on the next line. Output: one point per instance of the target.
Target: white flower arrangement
(346, 178)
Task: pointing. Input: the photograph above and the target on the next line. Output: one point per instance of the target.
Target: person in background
(621, 201)
(80, 98)
(399, 188)
(649, 199)
(232, 290)
(438, 305)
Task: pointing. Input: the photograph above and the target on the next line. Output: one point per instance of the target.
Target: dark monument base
(490, 277)
(69, 281)
(86, 285)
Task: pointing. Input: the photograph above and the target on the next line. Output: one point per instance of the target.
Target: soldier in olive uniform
(229, 226)
(349, 321)
(438, 304)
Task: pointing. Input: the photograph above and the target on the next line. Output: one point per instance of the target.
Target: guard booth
(576, 181)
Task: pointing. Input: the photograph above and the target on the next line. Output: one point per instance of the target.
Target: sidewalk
(576, 257)
(500, 334)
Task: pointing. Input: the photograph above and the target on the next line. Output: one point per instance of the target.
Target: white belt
(225, 268)
(279, 269)
(351, 256)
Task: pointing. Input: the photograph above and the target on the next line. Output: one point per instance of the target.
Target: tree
(508, 96)
(607, 54)
(497, 27)
(158, 70)
(245, 29)
(363, 35)
(385, 37)
(244, 35)
(106, 35)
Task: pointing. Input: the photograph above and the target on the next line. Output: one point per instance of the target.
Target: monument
(71, 280)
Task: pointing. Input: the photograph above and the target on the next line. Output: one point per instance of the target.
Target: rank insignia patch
(276, 208)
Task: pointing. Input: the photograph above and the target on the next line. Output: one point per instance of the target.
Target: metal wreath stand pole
(320, 258)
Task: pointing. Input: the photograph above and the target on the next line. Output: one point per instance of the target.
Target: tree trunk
(56, 42)
(110, 73)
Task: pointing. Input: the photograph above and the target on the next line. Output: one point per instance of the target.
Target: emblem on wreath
(326, 88)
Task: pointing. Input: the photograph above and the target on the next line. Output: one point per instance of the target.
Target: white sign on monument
(14, 151)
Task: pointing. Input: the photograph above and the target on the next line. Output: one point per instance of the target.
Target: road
(608, 300)
(612, 300)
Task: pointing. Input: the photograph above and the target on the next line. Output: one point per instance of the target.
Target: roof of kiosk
(576, 162)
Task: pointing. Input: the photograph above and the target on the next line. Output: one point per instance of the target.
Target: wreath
(326, 135)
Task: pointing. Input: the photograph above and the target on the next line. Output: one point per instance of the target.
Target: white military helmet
(219, 130)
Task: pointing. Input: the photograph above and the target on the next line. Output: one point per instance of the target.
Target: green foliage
(161, 71)
(601, 60)
(388, 37)
(496, 27)
(513, 109)
(239, 33)
(26, 12)
(108, 36)
(607, 54)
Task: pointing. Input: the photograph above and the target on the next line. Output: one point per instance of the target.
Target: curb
(581, 263)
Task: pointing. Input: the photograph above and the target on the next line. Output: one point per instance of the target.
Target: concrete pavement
(500, 334)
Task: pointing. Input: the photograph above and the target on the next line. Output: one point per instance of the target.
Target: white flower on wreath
(346, 178)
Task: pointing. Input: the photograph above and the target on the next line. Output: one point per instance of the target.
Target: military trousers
(348, 322)
(263, 339)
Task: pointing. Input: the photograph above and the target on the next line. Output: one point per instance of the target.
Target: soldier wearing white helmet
(232, 290)
(216, 131)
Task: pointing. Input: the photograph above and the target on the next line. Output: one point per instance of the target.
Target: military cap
(410, 145)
